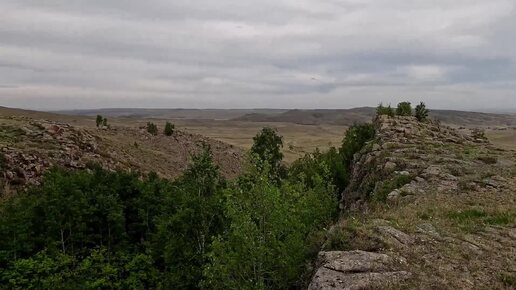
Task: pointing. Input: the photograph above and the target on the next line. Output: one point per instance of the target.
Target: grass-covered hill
(348, 117)
(31, 142)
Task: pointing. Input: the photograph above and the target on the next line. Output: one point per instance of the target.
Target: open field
(298, 139)
(505, 139)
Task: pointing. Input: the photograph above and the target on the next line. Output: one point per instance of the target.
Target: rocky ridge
(427, 208)
(28, 147)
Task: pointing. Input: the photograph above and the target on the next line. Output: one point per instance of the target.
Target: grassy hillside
(348, 117)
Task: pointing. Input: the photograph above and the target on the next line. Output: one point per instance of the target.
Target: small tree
(152, 128)
(267, 147)
(404, 109)
(382, 110)
(104, 122)
(421, 112)
(99, 120)
(169, 129)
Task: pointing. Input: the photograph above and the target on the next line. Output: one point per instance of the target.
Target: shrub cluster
(169, 129)
(152, 128)
(404, 109)
(101, 121)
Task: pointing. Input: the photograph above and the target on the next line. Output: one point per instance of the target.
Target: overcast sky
(69, 54)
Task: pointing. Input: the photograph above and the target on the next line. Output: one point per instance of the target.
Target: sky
(73, 54)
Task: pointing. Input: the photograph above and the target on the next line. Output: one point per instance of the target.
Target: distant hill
(211, 114)
(357, 115)
(315, 117)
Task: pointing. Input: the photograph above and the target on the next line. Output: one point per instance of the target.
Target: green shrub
(421, 112)
(169, 129)
(152, 128)
(404, 109)
(382, 110)
(99, 120)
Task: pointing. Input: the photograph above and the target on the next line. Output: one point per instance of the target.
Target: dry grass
(504, 139)
(298, 139)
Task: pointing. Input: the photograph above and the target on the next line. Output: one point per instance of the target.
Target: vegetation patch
(475, 218)
(508, 279)
(488, 159)
(351, 235)
(10, 134)
(383, 188)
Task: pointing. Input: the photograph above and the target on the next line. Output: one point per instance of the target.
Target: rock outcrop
(357, 270)
(427, 208)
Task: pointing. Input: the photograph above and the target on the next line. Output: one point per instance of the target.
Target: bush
(99, 120)
(355, 139)
(152, 128)
(169, 129)
(404, 109)
(421, 112)
(381, 110)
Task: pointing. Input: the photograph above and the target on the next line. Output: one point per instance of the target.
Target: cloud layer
(269, 53)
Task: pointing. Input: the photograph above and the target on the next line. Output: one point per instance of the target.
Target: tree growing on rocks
(421, 112)
(152, 128)
(404, 109)
(99, 120)
(382, 110)
(104, 122)
(356, 137)
(169, 129)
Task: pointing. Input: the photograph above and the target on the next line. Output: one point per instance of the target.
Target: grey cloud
(269, 53)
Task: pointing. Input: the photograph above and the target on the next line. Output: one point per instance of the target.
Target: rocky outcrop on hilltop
(407, 150)
(29, 147)
(427, 208)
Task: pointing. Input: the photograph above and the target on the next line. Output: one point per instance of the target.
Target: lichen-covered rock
(357, 270)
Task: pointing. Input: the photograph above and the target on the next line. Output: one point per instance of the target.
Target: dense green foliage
(421, 112)
(99, 120)
(169, 129)
(382, 110)
(404, 109)
(267, 153)
(356, 137)
(152, 128)
(95, 229)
